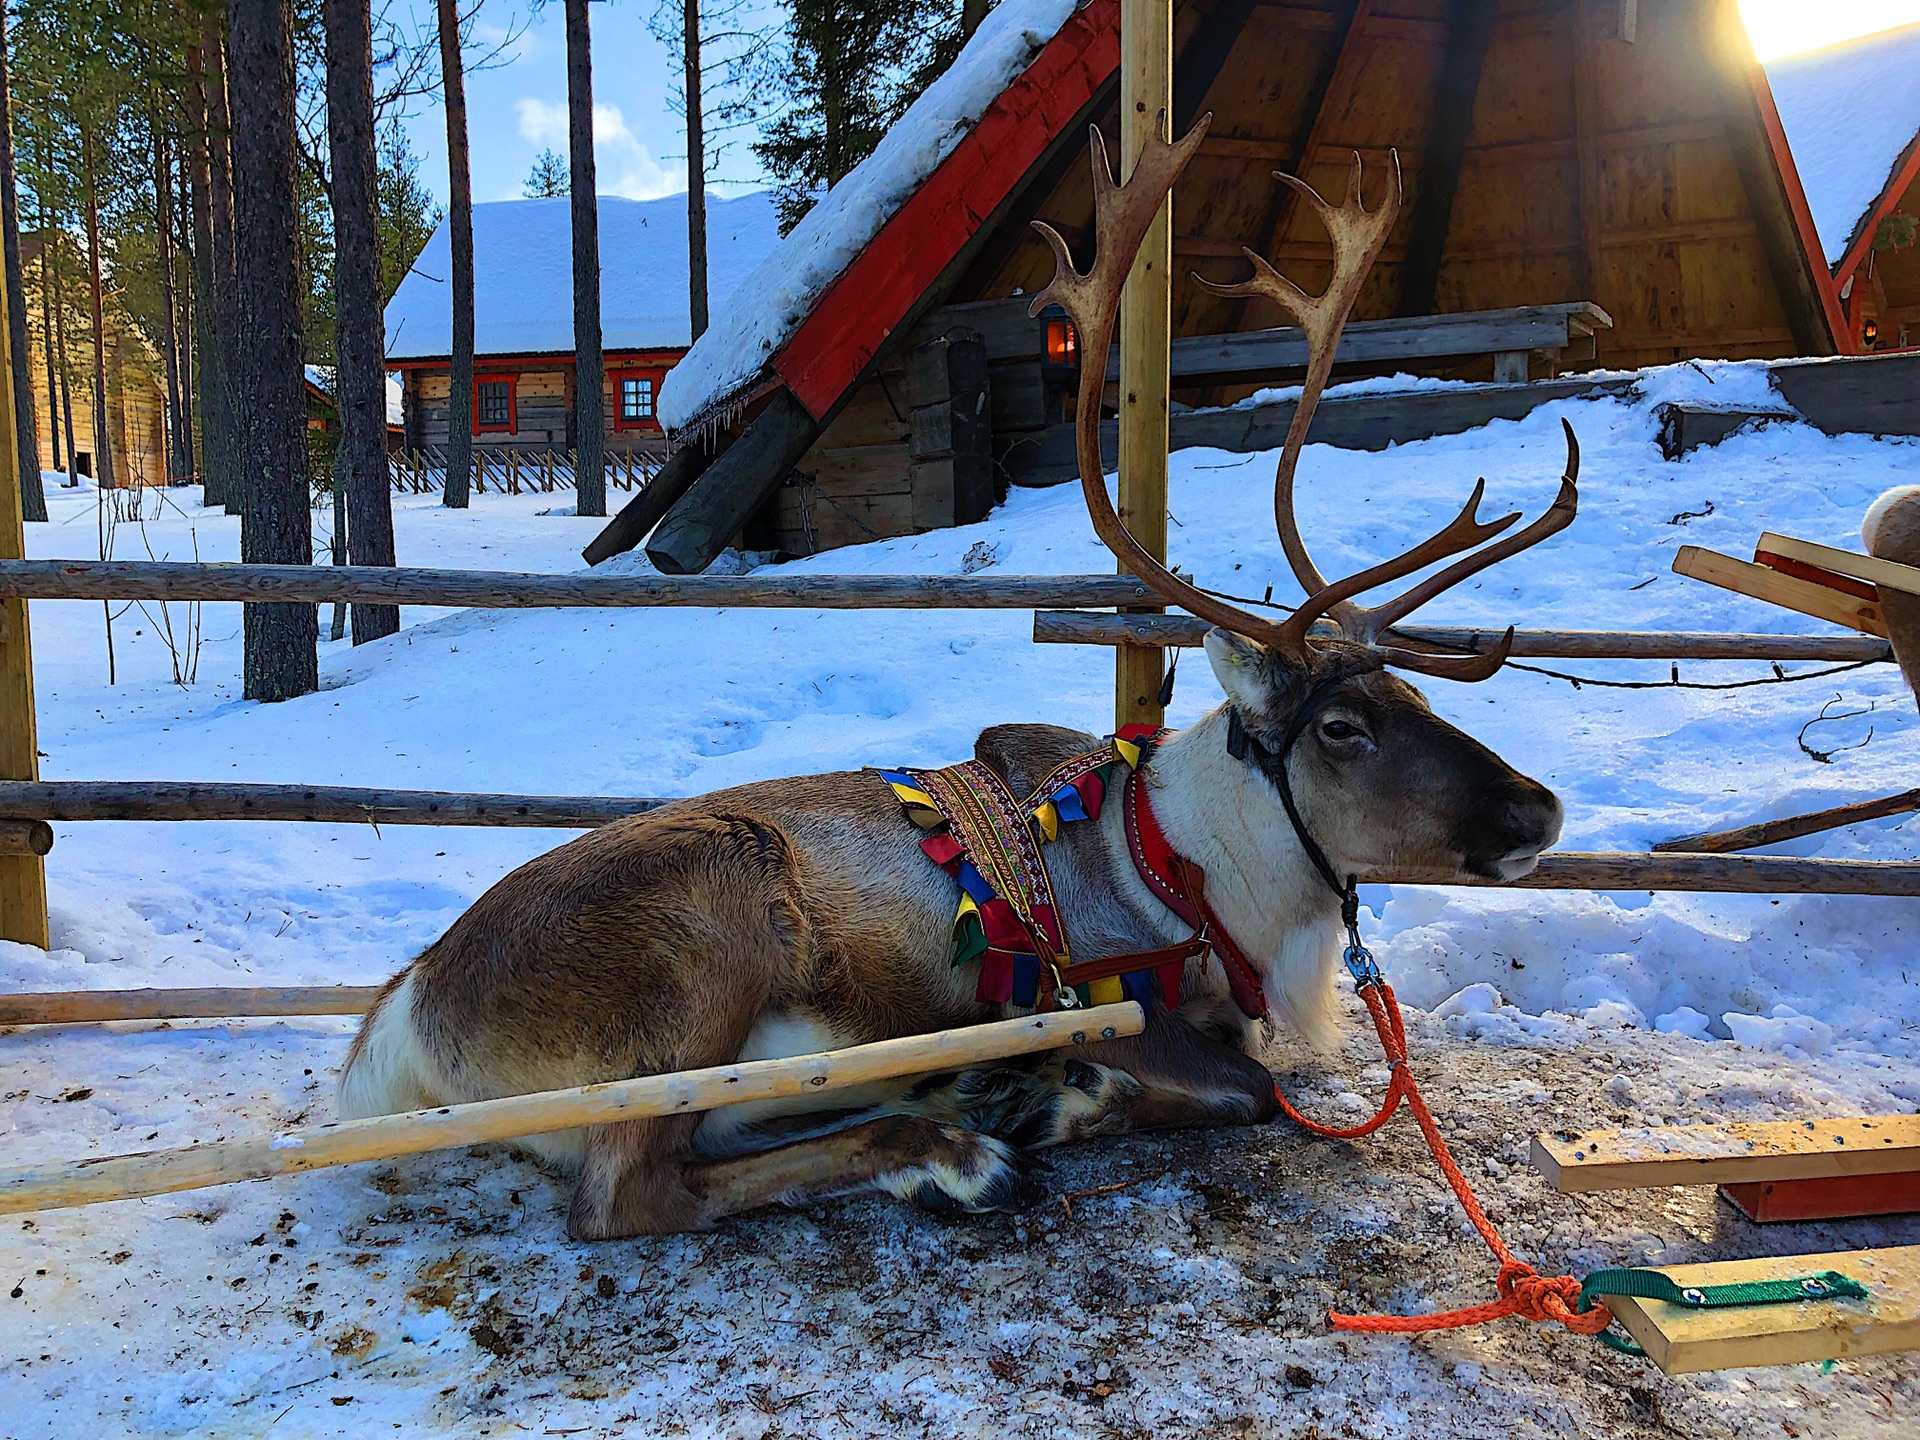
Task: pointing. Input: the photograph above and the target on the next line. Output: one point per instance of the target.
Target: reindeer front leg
(1185, 1071)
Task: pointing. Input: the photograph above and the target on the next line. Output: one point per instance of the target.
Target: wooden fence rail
(146, 800)
(507, 590)
(1069, 627)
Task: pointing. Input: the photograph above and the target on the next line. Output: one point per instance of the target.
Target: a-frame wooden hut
(1852, 117)
(1567, 153)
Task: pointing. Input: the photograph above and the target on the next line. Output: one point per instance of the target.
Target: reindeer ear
(1246, 670)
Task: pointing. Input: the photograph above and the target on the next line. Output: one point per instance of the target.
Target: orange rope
(1524, 1293)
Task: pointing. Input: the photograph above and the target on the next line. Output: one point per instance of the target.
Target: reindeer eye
(1339, 730)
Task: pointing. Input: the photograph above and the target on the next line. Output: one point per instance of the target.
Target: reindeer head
(1379, 778)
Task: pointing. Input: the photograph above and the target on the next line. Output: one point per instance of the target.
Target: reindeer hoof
(972, 1174)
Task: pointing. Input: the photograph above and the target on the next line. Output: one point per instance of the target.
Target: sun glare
(1786, 27)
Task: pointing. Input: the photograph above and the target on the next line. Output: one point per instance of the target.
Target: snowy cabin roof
(782, 292)
(1852, 113)
(321, 378)
(523, 275)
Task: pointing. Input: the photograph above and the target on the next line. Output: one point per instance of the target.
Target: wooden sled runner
(1781, 1170)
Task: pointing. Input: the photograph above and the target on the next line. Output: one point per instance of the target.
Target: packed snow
(1183, 1290)
(782, 292)
(523, 275)
(1852, 113)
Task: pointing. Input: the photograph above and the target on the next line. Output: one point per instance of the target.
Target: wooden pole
(1146, 108)
(35, 801)
(23, 876)
(68, 1007)
(687, 1092)
(1076, 627)
(1772, 832)
(508, 590)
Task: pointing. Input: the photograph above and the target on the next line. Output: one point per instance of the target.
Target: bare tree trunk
(179, 447)
(460, 231)
(281, 654)
(102, 442)
(359, 381)
(589, 367)
(33, 496)
(972, 12)
(216, 452)
(66, 369)
(696, 171)
(221, 293)
(185, 292)
(47, 303)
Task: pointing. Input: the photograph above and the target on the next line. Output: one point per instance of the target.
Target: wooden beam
(1882, 574)
(25, 837)
(687, 1092)
(1079, 627)
(703, 522)
(1580, 1162)
(1685, 1341)
(1761, 583)
(1203, 57)
(1587, 140)
(1772, 832)
(1146, 327)
(1339, 64)
(1469, 29)
(1702, 874)
(23, 876)
(1265, 354)
(645, 510)
(36, 801)
(227, 1002)
(508, 590)
(1830, 1197)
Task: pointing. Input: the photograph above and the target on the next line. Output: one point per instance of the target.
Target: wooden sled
(1782, 1170)
(1836, 585)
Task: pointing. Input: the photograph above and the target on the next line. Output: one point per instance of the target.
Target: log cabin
(136, 396)
(1588, 184)
(523, 317)
(1852, 117)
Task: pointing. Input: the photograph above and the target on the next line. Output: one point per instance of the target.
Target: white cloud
(626, 166)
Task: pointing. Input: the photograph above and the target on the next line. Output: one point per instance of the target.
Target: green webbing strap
(1652, 1285)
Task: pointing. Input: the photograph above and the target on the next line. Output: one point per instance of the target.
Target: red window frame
(651, 422)
(511, 380)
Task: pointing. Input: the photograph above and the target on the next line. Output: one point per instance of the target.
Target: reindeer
(799, 915)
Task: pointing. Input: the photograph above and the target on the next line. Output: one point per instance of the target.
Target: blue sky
(519, 108)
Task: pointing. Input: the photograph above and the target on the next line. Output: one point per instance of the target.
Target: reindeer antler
(1122, 214)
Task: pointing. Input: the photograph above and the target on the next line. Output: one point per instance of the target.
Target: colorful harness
(984, 836)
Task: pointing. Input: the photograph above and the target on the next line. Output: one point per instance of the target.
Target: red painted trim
(1824, 284)
(656, 375)
(1862, 246)
(827, 354)
(1826, 1197)
(512, 382)
(545, 361)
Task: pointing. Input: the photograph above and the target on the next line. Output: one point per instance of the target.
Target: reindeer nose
(1515, 826)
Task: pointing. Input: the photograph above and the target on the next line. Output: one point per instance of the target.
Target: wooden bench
(1509, 336)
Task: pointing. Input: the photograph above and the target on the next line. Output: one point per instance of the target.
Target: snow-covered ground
(441, 1295)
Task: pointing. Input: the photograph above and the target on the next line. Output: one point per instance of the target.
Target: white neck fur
(1226, 817)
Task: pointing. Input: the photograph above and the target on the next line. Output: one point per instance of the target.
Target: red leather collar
(1181, 886)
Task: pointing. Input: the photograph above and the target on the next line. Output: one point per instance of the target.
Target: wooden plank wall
(1596, 169)
(543, 403)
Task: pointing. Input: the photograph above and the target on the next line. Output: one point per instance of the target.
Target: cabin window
(636, 393)
(493, 404)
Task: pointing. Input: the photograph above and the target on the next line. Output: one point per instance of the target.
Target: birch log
(686, 1092)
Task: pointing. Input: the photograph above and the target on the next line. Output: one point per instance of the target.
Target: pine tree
(589, 369)
(453, 493)
(852, 68)
(548, 178)
(33, 498)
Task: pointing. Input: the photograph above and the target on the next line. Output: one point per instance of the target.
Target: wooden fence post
(1146, 104)
(23, 878)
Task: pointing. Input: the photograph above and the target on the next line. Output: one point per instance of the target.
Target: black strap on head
(1273, 764)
